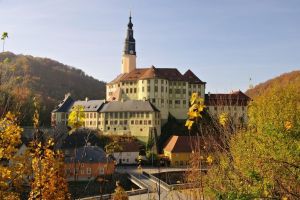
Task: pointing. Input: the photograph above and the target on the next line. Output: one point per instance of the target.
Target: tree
(3, 37)
(49, 180)
(76, 117)
(120, 193)
(10, 139)
(264, 160)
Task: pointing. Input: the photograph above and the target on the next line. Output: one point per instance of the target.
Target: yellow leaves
(48, 169)
(209, 159)
(223, 119)
(189, 124)
(197, 106)
(288, 125)
(10, 136)
(284, 198)
(76, 117)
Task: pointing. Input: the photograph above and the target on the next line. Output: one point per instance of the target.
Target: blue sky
(224, 42)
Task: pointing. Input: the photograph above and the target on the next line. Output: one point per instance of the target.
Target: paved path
(152, 185)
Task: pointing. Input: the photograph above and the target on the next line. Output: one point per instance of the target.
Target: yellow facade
(168, 96)
(177, 159)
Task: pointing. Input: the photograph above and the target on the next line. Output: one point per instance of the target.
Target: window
(88, 170)
(149, 122)
(156, 81)
(216, 108)
(145, 122)
(130, 90)
(121, 115)
(142, 89)
(134, 90)
(177, 102)
(148, 89)
(153, 100)
(141, 122)
(184, 102)
(101, 170)
(82, 171)
(155, 89)
(132, 122)
(127, 90)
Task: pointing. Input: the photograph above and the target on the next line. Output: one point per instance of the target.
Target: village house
(88, 162)
(129, 152)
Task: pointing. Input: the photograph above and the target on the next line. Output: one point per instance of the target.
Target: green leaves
(4, 35)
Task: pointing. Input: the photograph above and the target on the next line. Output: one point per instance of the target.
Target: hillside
(290, 78)
(23, 77)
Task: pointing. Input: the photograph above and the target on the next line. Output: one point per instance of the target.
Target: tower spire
(129, 47)
(129, 53)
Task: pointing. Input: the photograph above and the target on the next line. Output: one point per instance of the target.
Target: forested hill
(282, 81)
(23, 77)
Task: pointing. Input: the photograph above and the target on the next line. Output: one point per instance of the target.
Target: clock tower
(129, 54)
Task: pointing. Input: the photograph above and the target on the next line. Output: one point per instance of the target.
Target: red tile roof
(237, 98)
(180, 144)
(171, 74)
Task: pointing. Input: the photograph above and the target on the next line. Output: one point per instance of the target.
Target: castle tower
(129, 54)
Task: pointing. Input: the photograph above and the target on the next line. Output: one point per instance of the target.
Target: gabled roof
(180, 144)
(88, 154)
(186, 144)
(171, 74)
(68, 103)
(65, 104)
(192, 78)
(236, 98)
(129, 106)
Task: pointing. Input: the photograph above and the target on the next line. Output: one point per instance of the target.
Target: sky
(229, 44)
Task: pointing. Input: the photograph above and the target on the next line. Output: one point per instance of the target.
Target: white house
(128, 154)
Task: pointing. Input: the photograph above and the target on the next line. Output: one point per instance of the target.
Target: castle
(140, 100)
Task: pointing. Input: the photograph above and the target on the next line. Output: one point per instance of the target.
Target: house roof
(237, 98)
(180, 144)
(68, 103)
(185, 144)
(171, 74)
(65, 104)
(192, 78)
(129, 106)
(130, 146)
(80, 138)
(88, 154)
(90, 105)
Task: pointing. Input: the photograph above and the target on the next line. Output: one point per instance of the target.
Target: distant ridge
(282, 81)
(25, 76)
